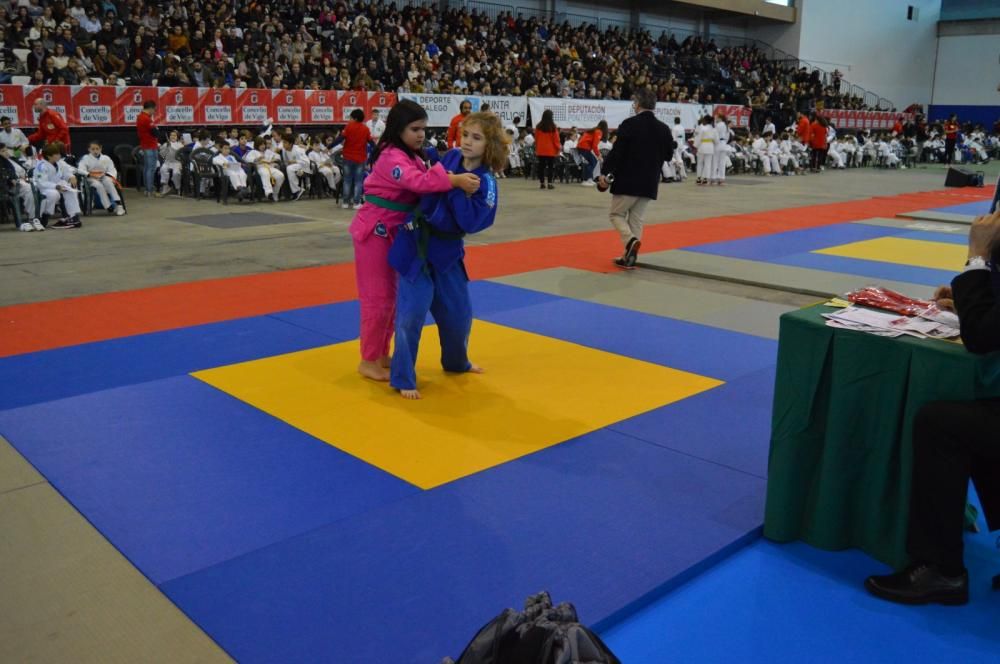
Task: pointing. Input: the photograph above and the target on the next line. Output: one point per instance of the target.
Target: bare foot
(409, 394)
(476, 369)
(373, 371)
(384, 362)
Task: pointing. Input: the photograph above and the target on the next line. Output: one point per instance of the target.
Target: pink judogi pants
(403, 178)
(377, 292)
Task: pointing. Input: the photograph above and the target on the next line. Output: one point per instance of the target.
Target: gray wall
(870, 41)
(968, 64)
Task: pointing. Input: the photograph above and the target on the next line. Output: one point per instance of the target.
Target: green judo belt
(424, 229)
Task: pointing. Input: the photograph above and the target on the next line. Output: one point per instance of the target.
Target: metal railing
(540, 14)
(577, 20)
(491, 10)
(605, 24)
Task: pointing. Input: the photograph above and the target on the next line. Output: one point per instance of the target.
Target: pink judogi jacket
(398, 177)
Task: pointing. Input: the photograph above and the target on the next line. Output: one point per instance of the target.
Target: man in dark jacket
(953, 441)
(643, 143)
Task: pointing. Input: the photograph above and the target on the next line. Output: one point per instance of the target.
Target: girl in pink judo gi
(399, 177)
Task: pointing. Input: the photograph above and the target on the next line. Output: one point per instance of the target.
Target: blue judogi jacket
(432, 235)
(433, 156)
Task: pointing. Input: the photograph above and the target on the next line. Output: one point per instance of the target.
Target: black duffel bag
(541, 634)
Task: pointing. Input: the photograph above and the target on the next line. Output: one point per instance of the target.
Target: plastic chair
(124, 155)
(319, 187)
(286, 188)
(530, 161)
(10, 203)
(88, 195)
(184, 158)
(203, 170)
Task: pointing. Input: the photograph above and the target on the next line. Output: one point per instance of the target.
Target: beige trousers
(626, 216)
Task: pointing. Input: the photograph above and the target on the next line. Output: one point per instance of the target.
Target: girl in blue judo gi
(428, 254)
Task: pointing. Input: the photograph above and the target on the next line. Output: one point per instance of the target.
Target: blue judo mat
(794, 603)
(972, 209)
(797, 249)
(283, 548)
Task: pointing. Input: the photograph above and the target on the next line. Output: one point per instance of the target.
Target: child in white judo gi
(22, 189)
(705, 140)
(265, 161)
(170, 166)
(232, 169)
(102, 177)
(54, 180)
(319, 154)
(297, 164)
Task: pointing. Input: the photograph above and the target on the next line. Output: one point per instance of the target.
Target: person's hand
(944, 299)
(467, 182)
(602, 180)
(984, 234)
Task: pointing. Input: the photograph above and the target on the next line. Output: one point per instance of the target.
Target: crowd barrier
(874, 120)
(107, 106)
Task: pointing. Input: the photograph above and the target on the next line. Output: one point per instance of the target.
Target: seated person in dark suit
(953, 441)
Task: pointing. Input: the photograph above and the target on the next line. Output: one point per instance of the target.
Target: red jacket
(803, 130)
(147, 132)
(51, 128)
(590, 141)
(817, 136)
(356, 137)
(453, 138)
(547, 143)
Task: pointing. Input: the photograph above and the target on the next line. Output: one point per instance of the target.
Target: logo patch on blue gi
(381, 230)
(491, 191)
(397, 173)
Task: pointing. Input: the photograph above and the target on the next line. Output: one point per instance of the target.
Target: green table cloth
(841, 433)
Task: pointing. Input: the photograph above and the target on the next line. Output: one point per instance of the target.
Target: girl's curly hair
(495, 156)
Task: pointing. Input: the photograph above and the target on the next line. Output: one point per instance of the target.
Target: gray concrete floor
(67, 595)
(151, 247)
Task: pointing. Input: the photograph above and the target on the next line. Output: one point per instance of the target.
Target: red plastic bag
(883, 298)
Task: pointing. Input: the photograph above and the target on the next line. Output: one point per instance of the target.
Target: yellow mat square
(537, 392)
(903, 251)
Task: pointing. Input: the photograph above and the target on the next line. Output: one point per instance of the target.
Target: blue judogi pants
(446, 296)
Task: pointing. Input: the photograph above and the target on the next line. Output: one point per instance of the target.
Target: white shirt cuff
(976, 263)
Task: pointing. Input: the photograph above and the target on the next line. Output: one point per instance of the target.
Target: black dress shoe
(632, 252)
(622, 263)
(920, 584)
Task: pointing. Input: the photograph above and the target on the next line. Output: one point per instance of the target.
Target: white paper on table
(945, 317)
(866, 317)
(877, 331)
(891, 325)
(920, 325)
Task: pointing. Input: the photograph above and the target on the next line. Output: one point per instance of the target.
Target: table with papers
(844, 403)
(934, 325)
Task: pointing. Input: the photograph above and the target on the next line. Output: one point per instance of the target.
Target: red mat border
(59, 323)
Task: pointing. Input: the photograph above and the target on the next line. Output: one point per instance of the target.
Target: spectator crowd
(322, 44)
